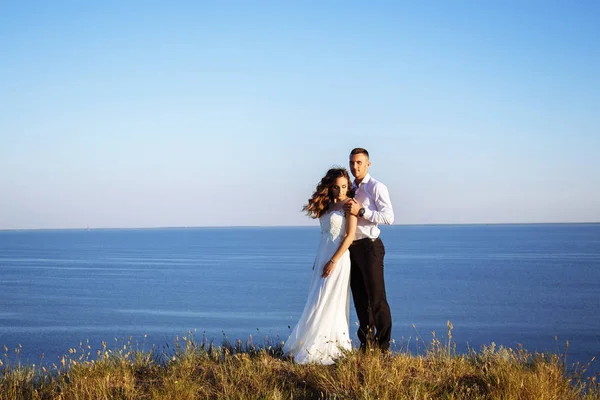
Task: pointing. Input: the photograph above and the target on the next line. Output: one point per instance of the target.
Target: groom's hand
(352, 207)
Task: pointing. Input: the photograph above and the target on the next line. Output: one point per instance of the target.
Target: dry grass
(199, 370)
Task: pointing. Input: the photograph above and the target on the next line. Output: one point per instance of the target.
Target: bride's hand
(328, 269)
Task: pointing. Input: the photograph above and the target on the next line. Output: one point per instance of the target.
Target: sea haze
(534, 285)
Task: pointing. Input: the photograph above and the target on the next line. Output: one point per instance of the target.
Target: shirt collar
(366, 179)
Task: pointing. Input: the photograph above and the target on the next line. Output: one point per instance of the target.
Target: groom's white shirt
(375, 199)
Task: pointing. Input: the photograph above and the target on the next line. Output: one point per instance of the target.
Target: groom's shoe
(384, 347)
(387, 356)
(365, 348)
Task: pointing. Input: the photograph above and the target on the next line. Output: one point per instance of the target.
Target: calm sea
(534, 285)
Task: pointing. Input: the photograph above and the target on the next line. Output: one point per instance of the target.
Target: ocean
(531, 285)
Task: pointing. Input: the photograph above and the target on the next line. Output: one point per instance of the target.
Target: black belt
(363, 240)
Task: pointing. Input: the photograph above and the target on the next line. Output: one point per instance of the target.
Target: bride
(322, 333)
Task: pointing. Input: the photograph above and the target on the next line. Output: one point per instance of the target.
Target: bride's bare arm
(351, 221)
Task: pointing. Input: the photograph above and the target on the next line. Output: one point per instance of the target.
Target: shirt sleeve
(384, 214)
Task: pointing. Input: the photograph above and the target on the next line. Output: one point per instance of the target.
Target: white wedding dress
(322, 333)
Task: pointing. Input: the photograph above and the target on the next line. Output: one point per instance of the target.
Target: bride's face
(339, 189)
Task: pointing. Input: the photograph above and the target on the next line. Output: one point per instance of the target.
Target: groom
(372, 205)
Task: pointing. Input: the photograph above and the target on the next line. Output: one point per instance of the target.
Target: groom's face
(359, 165)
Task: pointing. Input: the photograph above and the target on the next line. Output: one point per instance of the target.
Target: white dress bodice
(333, 224)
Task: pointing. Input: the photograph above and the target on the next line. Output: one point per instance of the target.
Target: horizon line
(292, 226)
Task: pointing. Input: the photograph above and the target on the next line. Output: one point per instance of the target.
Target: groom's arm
(384, 214)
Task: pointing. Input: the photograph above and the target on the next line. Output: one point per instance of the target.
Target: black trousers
(368, 291)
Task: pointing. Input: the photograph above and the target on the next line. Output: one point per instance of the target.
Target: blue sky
(148, 114)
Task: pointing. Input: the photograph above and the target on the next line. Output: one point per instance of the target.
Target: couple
(350, 255)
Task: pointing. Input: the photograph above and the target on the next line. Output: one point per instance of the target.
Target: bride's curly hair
(319, 202)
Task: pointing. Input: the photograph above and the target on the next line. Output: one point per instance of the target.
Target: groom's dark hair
(360, 150)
